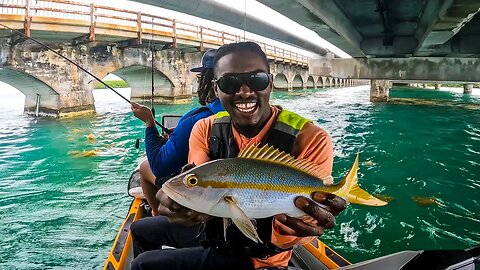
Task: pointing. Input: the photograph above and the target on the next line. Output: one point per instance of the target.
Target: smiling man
(243, 84)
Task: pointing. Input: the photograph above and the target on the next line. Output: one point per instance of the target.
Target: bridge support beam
(379, 90)
(437, 86)
(440, 69)
(467, 88)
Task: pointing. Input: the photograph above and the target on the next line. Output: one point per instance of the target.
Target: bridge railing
(142, 25)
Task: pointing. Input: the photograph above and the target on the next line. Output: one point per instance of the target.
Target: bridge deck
(79, 23)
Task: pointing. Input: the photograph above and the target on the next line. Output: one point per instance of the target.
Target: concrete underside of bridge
(416, 40)
(399, 28)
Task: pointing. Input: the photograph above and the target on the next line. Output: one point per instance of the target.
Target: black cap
(207, 61)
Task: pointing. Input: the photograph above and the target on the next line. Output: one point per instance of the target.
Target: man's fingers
(170, 204)
(284, 229)
(166, 202)
(324, 217)
(334, 203)
(187, 167)
(299, 228)
(188, 217)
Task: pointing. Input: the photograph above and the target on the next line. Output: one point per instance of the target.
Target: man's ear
(215, 89)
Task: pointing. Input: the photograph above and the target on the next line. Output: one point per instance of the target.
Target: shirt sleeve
(165, 159)
(315, 145)
(198, 142)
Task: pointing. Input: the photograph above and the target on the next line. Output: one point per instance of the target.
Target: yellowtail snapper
(260, 182)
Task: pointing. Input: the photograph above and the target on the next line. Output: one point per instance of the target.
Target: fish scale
(273, 176)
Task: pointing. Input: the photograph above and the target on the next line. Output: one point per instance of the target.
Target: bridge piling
(37, 105)
(467, 88)
(379, 90)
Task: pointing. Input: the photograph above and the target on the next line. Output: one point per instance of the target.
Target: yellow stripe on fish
(266, 187)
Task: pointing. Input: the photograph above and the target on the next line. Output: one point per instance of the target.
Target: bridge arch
(329, 82)
(280, 82)
(33, 88)
(310, 82)
(140, 81)
(321, 81)
(297, 82)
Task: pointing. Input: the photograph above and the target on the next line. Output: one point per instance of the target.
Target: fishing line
(245, 22)
(80, 67)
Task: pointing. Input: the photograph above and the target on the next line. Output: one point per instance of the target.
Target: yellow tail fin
(351, 192)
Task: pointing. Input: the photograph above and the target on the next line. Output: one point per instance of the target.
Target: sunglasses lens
(258, 81)
(230, 84)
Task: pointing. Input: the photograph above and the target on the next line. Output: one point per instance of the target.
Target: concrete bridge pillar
(379, 90)
(437, 86)
(467, 88)
(75, 103)
(51, 85)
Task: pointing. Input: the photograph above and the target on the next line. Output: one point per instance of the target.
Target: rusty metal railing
(99, 19)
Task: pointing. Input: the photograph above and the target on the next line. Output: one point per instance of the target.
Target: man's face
(248, 109)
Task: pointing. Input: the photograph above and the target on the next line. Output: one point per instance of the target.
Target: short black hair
(246, 46)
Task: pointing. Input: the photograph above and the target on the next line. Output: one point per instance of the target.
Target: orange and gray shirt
(312, 143)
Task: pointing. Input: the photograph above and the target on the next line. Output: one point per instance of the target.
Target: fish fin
(350, 190)
(225, 226)
(272, 154)
(241, 220)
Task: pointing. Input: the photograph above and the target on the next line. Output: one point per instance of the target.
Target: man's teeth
(246, 107)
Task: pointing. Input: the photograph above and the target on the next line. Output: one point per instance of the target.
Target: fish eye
(191, 180)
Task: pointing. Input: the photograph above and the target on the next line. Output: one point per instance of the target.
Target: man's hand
(143, 113)
(323, 218)
(177, 213)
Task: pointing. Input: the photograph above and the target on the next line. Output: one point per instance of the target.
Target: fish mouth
(173, 194)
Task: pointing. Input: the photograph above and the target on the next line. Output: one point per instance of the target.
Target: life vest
(282, 135)
(189, 114)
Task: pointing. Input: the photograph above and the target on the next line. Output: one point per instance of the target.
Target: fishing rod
(153, 87)
(152, 49)
(167, 130)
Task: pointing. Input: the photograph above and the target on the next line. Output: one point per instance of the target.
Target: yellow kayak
(313, 255)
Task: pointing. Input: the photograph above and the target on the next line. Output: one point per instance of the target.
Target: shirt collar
(216, 106)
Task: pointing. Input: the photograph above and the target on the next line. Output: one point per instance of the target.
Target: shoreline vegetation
(113, 84)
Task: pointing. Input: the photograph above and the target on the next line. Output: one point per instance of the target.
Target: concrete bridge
(394, 40)
(109, 40)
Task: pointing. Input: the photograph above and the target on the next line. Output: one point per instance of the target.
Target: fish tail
(350, 191)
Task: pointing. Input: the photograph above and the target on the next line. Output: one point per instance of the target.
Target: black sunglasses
(231, 83)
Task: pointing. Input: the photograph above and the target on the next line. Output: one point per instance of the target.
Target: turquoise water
(61, 210)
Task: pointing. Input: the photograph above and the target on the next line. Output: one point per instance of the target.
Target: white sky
(254, 8)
